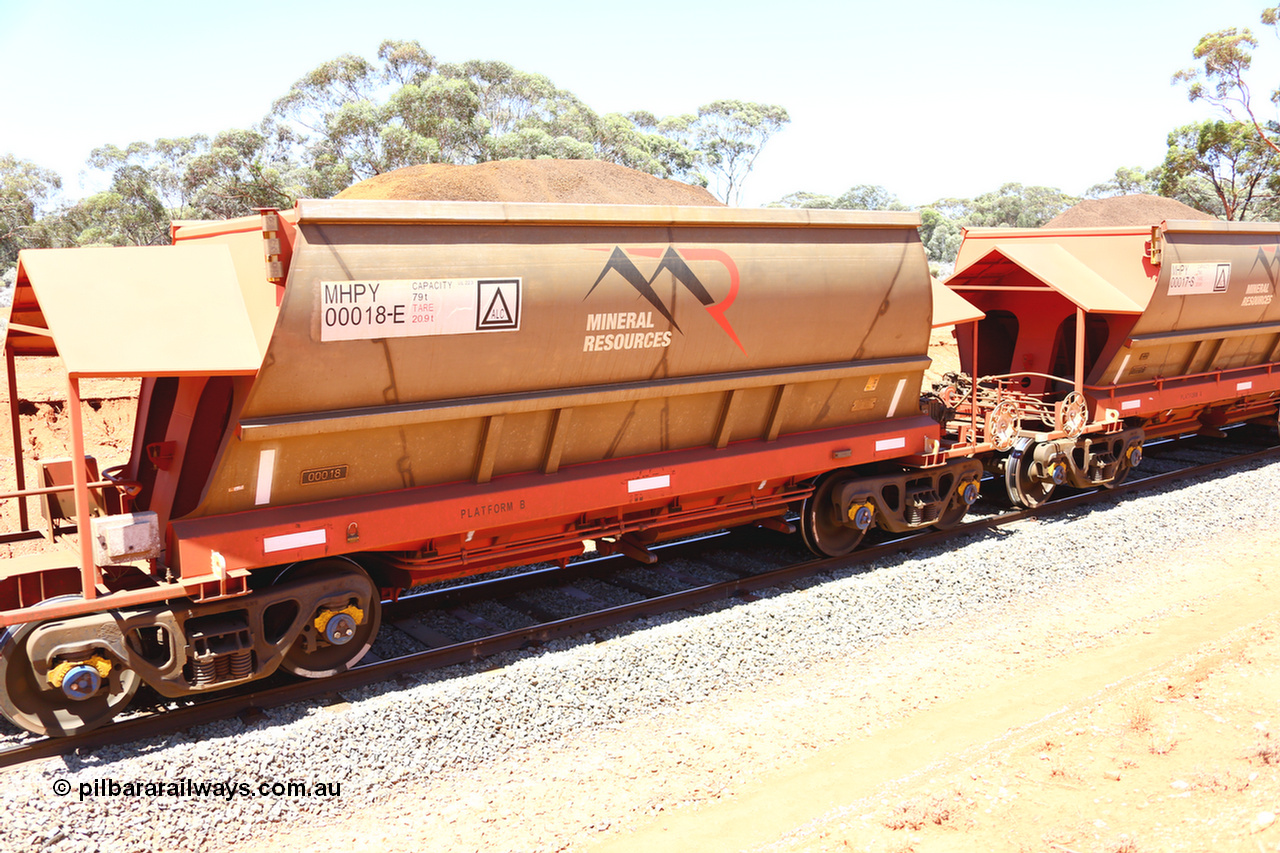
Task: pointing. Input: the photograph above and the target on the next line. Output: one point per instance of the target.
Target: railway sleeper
(69, 675)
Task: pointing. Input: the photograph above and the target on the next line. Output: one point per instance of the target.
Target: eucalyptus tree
(1221, 77)
(1223, 168)
(729, 136)
(26, 191)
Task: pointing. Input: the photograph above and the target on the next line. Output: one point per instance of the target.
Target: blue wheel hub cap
(340, 629)
(81, 682)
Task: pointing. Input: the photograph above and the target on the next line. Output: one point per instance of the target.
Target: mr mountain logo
(1268, 258)
(672, 261)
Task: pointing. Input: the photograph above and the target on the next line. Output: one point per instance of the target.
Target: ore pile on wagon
(355, 396)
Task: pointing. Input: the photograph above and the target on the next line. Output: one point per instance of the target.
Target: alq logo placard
(613, 330)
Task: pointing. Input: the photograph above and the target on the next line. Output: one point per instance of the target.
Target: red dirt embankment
(107, 410)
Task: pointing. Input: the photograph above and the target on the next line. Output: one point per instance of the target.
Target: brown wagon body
(369, 394)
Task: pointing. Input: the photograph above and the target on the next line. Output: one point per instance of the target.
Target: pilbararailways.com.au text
(228, 790)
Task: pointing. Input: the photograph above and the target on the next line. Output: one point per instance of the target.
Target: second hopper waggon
(352, 397)
(1094, 339)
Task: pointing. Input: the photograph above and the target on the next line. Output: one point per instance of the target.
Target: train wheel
(821, 526)
(335, 637)
(1132, 458)
(85, 700)
(1122, 474)
(1024, 489)
(965, 494)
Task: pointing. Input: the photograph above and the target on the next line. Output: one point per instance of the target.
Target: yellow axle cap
(59, 672)
(322, 619)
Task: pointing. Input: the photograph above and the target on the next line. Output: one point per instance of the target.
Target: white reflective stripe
(266, 472)
(897, 393)
(289, 541)
(891, 443)
(1123, 365)
(645, 484)
(1130, 404)
(1244, 386)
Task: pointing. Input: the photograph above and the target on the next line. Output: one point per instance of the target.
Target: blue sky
(929, 99)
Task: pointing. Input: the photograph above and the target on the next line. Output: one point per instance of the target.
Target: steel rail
(253, 702)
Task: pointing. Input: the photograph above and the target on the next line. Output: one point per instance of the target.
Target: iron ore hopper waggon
(345, 399)
(1093, 340)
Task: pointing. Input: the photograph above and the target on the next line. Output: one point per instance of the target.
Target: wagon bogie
(68, 675)
(846, 503)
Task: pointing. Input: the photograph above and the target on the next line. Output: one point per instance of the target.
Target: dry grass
(1214, 779)
(1267, 752)
(920, 812)
(1141, 717)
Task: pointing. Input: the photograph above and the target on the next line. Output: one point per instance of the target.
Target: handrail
(129, 487)
(1160, 381)
(1192, 336)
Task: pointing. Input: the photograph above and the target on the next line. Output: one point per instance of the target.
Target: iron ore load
(346, 399)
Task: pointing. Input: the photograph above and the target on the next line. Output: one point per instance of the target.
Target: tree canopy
(943, 221)
(25, 191)
(1227, 167)
(1221, 77)
(1223, 167)
(351, 118)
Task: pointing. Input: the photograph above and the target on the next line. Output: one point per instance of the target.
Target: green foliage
(1225, 58)
(351, 118)
(1016, 206)
(354, 119)
(195, 177)
(25, 192)
(1221, 77)
(239, 171)
(941, 236)
(1128, 180)
(859, 197)
(942, 223)
(729, 135)
(1223, 168)
(1227, 168)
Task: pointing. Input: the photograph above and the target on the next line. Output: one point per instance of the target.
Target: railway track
(459, 623)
